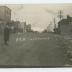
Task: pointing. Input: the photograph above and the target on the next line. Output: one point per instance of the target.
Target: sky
(36, 14)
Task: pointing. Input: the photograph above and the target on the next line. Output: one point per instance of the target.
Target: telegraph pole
(60, 14)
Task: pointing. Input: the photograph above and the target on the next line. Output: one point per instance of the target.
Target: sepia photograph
(36, 35)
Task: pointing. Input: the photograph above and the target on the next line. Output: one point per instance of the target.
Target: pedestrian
(6, 34)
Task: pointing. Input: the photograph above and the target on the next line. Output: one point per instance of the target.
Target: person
(6, 34)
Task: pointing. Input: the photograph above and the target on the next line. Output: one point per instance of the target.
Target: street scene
(36, 35)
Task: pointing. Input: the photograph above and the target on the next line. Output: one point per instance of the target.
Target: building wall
(5, 13)
(66, 29)
(65, 25)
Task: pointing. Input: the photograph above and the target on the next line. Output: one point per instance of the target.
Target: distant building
(23, 26)
(14, 26)
(65, 26)
(17, 25)
(28, 28)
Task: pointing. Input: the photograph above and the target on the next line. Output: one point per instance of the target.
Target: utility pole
(55, 29)
(60, 14)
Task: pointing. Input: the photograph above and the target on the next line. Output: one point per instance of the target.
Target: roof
(65, 21)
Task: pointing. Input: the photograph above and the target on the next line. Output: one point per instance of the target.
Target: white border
(33, 1)
(35, 69)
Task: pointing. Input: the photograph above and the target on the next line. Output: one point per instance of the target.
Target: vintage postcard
(36, 35)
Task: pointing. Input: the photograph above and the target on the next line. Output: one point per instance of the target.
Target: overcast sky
(36, 14)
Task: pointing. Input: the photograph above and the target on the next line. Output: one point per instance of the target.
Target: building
(5, 16)
(25, 27)
(15, 26)
(22, 26)
(65, 26)
(28, 27)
